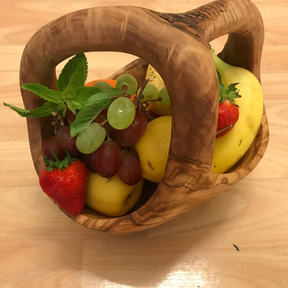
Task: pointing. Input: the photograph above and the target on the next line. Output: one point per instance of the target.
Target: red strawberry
(65, 182)
(228, 113)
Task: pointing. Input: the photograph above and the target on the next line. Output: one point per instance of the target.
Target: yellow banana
(229, 148)
(154, 77)
(232, 146)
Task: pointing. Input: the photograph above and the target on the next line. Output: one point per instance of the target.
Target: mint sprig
(45, 110)
(91, 110)
(71, 79)
(74, 73)
(84, 93)
(44, 92)
(85, 102)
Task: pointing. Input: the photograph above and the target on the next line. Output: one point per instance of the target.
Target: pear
(153, 148)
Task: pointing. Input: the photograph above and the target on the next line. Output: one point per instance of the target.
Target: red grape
(129, 170)
(107, 158)
(104, 112)
(151, 115)
(67, 143)
(110, 130)
(89, 161)
(102, 116)
(132, 134)
(49, 144)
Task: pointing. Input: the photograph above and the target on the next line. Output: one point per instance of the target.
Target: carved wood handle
(240, 19)
(177, 46)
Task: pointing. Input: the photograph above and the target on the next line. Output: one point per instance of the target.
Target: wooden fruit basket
(177, 45)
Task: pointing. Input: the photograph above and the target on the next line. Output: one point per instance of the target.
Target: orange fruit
(109, 81)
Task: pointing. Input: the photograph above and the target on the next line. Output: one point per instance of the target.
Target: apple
(111, 197)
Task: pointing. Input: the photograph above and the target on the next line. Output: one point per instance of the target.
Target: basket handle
(240, 19)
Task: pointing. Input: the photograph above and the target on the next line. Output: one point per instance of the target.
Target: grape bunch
(60, 143)
(106, 144)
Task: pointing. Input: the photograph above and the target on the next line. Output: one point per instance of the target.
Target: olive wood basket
(177, 45)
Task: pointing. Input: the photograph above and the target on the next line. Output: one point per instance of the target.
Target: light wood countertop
(41, 247)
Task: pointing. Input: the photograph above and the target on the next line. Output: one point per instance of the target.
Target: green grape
(165, 100)
(90, 139)
(121, 113)
(129, 81)
(150, 92)
(102, 85)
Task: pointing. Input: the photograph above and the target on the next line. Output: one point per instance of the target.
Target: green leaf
(73, 105)
(84, 93)
(98, 96)
(50, 164)
(61, 108)
(93, 107)
(69, 96)
(86, 116)
(45, 110)
(232, 87)
(69, 93)
(74, 73)
(44, 92)
(230, 93)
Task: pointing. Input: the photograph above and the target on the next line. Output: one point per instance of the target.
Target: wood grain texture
(39, 246)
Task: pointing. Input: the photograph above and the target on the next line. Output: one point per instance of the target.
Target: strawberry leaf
(232, 87)
(45, 110)
(74, 73)
(44, 92)
(50, 164)
(229, 93)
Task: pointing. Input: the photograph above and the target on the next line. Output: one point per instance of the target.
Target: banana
(154, 77)
(231, 147)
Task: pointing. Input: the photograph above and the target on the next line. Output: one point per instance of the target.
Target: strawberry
(228, 112)
(65, 182)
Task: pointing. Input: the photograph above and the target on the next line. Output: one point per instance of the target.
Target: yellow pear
(153, 148)
(159, 109)
(111, 197)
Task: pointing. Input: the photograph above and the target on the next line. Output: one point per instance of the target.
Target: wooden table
(41, 247)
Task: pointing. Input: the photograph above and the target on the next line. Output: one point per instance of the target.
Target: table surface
(41, 247)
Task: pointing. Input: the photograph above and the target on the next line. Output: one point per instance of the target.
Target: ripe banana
(154, 77)
(231, 147)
